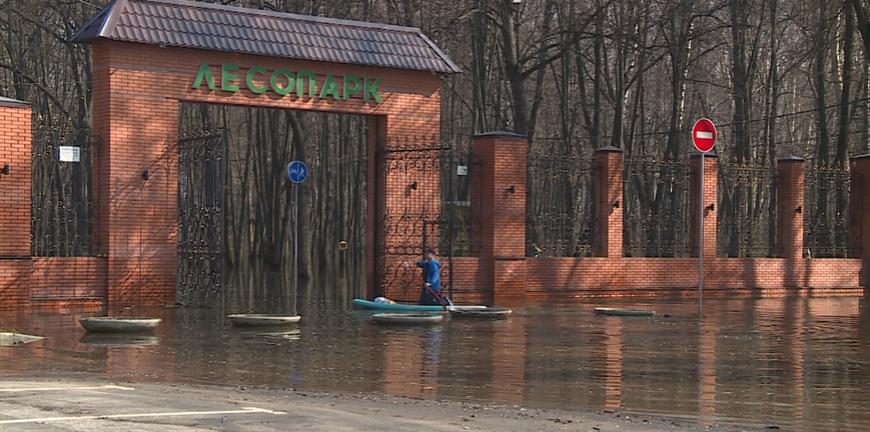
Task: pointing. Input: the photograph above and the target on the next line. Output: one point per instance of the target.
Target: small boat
(623, 312)
(366, 304)
(486, 313)
(251, 320)
(14, 339)
(119, 324)
(407, 318)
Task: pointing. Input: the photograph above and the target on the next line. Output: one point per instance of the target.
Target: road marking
(245, 410)
(36, 389)
(704, 135)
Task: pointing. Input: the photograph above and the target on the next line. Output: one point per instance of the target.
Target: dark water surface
(799, 363)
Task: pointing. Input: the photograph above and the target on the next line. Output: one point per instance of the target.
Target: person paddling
(431, 293)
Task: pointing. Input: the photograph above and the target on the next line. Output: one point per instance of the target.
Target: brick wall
(15, 139)
(14, 284)
(52, 284)
(137, 92)
(15, 142)
(68, 278)
(710, 215)
(609, 274)
(499, 211)
(608, 202)
(469, 282)
(789, 212)
(565, 278)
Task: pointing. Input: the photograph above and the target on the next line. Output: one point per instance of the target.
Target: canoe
(401, 307)
(486, 313)
(407, 318)
(623, 312)
(248, 320)
(118, 324)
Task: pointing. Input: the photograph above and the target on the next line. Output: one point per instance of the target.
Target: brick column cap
(499, 134)
(864, 156)
(790, 158)
(710, 154)
(608, 148)
(13, 103)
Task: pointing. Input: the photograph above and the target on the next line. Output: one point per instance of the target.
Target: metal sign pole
(701, 239)
(296, 240)
(703, 138)
(451, 203)
(297, 172)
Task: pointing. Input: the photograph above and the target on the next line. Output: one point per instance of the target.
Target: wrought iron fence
(559, 217)
(746, 210)
(403, 225)
(62, 202)
(656, 213)
(201, 165)
(457, 237)
(826, 218)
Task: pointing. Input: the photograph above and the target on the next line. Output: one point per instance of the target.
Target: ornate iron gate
(200, 217)
(422, 216)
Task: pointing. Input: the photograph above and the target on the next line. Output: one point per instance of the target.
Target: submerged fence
(559, 219)
(656, 215)
(747, 210)
(826, 224)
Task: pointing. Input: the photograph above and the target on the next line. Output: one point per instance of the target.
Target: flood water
(797, 363)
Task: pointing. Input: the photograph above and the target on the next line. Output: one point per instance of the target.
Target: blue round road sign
(297, 172)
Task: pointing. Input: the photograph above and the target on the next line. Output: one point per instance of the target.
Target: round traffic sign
(704, 135)
(297, 172)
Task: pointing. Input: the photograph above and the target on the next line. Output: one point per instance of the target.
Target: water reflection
(119, 340)
(255, 288)
(793, 362)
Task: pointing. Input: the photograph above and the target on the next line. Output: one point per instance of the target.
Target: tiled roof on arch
(192, 24)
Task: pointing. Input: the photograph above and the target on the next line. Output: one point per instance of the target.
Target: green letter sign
(249, 80)
(286, 74)
(226, 76)
(283, 82)
(204, 73)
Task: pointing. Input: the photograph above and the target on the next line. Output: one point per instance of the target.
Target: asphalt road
(92, 404)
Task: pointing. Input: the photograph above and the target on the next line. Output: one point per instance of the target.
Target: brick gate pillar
(711, 194)
(15, 149)
(499, 211)
(859, 215)
(608, 203)
(790, 207)
(15, 171)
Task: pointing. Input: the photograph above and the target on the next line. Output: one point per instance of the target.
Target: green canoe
(366, 304)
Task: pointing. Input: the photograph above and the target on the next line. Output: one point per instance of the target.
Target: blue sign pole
(297, 173)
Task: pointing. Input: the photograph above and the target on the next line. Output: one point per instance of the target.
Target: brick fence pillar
(15, 146)
(608, 202)
(790, 207)
(711, 194)
(499, 208)
(859, 214)
(15, 163)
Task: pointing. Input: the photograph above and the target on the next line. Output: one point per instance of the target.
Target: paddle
(437, 296)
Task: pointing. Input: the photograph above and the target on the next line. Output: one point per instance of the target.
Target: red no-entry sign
(704, 135)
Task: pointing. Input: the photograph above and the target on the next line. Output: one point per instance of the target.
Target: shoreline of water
(793, 362)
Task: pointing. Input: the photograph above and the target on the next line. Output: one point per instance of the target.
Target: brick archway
(139, 86)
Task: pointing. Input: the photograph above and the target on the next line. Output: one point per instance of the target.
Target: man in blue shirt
(431, 279)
